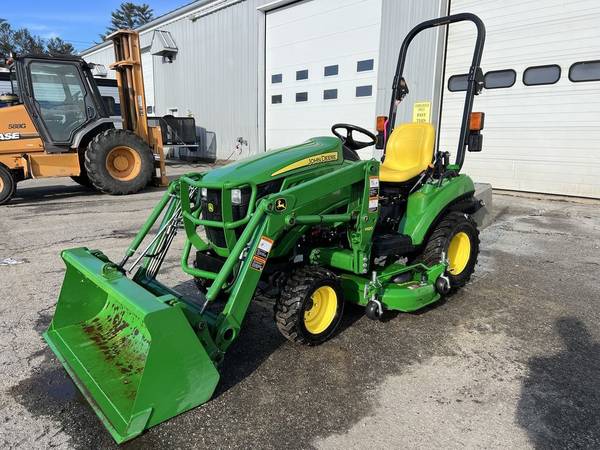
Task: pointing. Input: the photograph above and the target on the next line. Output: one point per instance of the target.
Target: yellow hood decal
(311, 160)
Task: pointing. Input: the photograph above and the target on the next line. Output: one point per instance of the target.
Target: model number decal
(9, 136)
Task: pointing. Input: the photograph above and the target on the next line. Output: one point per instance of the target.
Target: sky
(78, 22)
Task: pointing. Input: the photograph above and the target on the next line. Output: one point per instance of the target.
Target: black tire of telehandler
(83, 180)
(96, 162)
(439, 241)
(296, 297)
(8, 185)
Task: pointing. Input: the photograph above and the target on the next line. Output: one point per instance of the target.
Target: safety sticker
(259, 260)
(373, 187)
(373, 203)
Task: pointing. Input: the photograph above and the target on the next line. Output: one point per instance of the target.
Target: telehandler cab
(56, 124)
(310, 225)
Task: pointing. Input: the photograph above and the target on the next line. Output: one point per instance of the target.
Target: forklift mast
(130, 80)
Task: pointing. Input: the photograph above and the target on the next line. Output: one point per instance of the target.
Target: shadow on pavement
(560, 398)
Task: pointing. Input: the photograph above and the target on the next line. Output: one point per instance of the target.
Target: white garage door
(538, 137)
(321, 68)
(148, 73)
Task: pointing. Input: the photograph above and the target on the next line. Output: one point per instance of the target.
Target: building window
(276, 78)
(457, 83)
(534, 76)
(330, 70)
(276, 99)
(365, 65)
(329, 94)
(301, 96)
(496, 79)
(585, 71)
(364, 91)
(302, 74)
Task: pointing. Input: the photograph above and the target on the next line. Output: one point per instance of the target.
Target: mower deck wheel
(310, 307)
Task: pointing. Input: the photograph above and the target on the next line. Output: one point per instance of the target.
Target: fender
(429, 203)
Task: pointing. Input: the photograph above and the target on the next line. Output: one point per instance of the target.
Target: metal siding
(216, 76)
(104, 56)
(424, 64)
(536, 138)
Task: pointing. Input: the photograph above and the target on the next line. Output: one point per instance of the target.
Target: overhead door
(321, 68)
(542, 105)
(148, 73)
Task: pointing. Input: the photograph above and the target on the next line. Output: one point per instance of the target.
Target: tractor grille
(213, 197)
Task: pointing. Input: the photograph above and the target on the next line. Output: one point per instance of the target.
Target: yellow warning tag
(422, 112)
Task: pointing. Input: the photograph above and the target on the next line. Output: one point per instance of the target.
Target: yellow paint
(123, 163)
(409, 152)
(459, 252)
(311, 160)
(320, 316)
(422, 112)
(54, 165)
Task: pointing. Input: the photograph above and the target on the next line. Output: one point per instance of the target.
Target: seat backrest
(408, 152)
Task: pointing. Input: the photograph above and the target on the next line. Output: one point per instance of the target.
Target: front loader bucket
(135, 358)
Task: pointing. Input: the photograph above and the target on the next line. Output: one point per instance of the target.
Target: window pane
(364, 91)
(500, 79)
(329, 94)
(457, 83)
(585, 71)
(276, 78)
(541, 75)
(363, 66)
(301, 96)
(59, 92)
(302, 74)
(331, 70)
(276, 99)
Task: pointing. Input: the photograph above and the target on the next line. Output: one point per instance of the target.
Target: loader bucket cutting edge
(135, 358)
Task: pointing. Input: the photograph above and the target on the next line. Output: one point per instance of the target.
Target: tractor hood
(278, 163)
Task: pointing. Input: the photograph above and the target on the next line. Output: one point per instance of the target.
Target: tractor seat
(409, 152)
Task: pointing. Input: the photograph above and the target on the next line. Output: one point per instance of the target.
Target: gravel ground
(512, 360)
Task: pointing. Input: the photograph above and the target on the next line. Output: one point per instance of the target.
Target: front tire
(456, 237)
(118, 162)
(310, 307)
(8, 185)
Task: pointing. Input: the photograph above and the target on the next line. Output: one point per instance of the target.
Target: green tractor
(311, 226)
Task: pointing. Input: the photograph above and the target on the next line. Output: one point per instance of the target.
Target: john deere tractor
(311, 226)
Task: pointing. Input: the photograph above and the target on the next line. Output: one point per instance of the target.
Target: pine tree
(56, 46)
(128, 17)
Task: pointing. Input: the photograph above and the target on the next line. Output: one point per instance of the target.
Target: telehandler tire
(310, 307)
(83, 180)
(8, 185)
(456, 237)
(118, 162)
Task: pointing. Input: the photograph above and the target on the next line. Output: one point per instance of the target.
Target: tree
(129, 16)
(22, 42)
(56, 46)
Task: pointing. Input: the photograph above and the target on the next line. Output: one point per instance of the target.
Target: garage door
(543, 103)
(321, 68)
(148, 73)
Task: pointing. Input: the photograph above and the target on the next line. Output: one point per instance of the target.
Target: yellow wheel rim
(123, 163)
(1, 185)
(322, 312)
(459, 252)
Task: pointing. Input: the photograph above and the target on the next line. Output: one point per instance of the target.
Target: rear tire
(456, 237)
(310, 307)
(8, 185)
(118, 162)
(83, 180)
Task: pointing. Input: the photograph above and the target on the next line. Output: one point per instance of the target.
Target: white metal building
(268, 74)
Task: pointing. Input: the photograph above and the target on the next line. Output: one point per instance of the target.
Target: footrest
(391, 244)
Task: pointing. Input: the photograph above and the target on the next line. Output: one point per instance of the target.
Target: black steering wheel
(348, 140)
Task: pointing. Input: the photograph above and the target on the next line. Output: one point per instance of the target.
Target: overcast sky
(79, 22)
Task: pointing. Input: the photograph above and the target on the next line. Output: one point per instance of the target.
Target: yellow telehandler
(55, 123)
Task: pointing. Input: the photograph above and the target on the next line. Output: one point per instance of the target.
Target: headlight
(236, 196)
(204, 192)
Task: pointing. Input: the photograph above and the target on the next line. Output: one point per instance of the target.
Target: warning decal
(259, 260)
(373, 193)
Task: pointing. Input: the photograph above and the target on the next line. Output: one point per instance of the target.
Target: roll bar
(472, 82)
